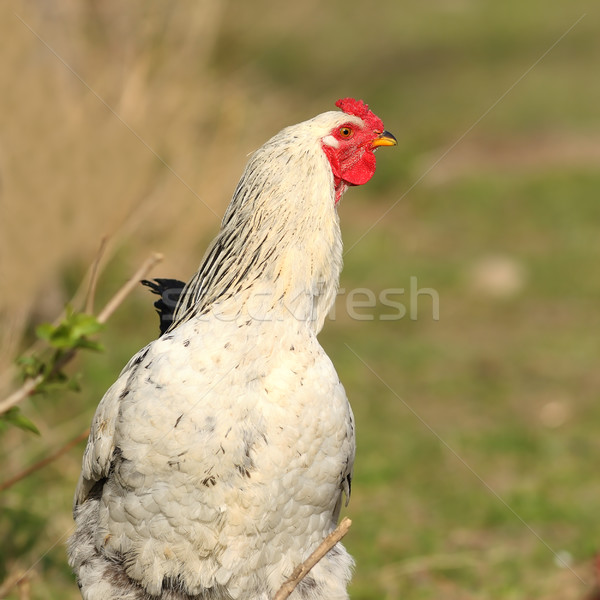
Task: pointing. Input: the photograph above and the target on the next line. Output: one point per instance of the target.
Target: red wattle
(348, 173)
(361, 171)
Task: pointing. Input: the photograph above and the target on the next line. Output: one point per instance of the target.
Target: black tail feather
(169, 291)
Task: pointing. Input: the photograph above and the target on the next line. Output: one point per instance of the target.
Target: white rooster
(217, 461)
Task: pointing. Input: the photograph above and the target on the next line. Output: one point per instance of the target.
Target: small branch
(45, 461)
(11, 581)
(93, 273)
(24, 588)
(116, 300)
(23, 392)
(302, 570)
(30, 385)
(91, 293)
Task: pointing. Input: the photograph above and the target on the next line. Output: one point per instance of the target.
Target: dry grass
(113, 123)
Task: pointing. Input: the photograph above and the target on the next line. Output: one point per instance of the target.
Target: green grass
(477, 432)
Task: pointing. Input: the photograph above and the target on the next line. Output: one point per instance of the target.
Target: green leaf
(31, 366)
(71, 332)
(69, 335)
(45, 331)
(73, 383)
(90, 345)
(15, 417)
(83, 325)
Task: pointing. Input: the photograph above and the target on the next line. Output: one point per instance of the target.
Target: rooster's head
(350, 146)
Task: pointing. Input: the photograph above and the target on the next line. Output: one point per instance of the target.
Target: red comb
(358, 108)
(353, 107)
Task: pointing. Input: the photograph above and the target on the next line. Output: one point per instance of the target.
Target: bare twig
(23, 392)
(116, 300)
(9, 374)
(45, 461)
(91, 292)
(302, 570)
(11, 581)
(24, 587)
(30, 385)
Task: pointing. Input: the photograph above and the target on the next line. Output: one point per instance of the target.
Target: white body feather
(217, 461)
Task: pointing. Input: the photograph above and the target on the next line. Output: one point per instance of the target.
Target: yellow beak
(384, 139)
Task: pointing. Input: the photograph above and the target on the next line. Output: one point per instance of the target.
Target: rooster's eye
(346, 132)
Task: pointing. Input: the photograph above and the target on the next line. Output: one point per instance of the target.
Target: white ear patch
(329, 140)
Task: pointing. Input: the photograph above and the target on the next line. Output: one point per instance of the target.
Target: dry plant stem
(11, 372)
(10, 582)
(45, 461)
(23, 392)
(24, 588)
(91, 293)
(129, 286)
(302, 570)
(30, 385)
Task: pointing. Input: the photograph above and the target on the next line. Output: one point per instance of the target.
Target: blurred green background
(477, 464)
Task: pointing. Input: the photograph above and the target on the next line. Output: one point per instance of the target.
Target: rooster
(221, 456)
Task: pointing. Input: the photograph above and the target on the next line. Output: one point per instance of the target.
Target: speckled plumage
(218, 460)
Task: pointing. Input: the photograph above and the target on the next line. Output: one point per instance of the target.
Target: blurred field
(477, 433)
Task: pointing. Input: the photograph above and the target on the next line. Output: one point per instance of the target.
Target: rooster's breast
(234, 443)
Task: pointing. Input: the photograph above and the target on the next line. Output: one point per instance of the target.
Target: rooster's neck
(278, 255)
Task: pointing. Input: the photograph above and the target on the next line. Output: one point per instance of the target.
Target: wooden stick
(302, 570)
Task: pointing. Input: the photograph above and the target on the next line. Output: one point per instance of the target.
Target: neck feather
(278, 254)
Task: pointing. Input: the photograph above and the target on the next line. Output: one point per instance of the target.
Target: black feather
(169, 291)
